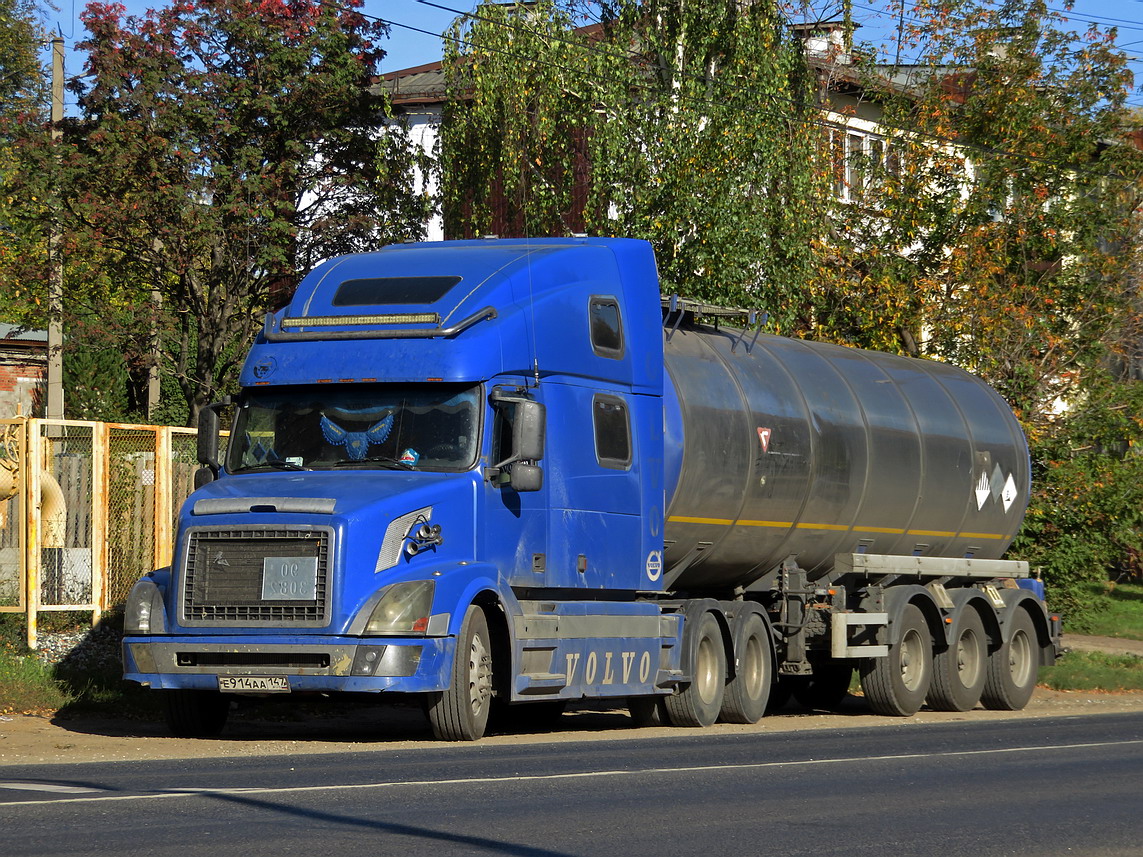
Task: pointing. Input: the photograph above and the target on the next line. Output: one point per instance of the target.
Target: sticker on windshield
(409, 456)
(356, 443)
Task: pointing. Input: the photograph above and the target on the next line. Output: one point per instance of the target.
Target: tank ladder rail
(679, 308)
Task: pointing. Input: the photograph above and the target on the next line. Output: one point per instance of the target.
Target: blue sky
(415, 26)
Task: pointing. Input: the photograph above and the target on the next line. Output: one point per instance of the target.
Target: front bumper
(312, 664)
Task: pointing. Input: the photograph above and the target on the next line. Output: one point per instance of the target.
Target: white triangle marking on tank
(1008, 496)
(983, 489)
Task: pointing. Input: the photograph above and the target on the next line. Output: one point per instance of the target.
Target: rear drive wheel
(746, 695)
(195, 713)
(699, 702)
(897, 684)
(1014, 667)
(959, 671)
(460, 713)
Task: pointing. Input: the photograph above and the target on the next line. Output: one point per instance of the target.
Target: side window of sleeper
(606, 328)
(612, 432)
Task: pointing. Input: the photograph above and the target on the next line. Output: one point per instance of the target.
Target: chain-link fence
(90, 508)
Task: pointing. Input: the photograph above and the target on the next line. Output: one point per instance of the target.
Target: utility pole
(55, 403)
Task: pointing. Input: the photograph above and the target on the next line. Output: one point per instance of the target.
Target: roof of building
(10, 333)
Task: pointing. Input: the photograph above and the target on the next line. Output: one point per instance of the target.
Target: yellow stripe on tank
(785, 525)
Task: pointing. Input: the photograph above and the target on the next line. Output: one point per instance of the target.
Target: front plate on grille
(289, 578)
(254, 683)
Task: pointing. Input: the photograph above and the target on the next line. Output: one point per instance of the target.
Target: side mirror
(528, 421)
(528, 431)
(526, 477)
(208, 443)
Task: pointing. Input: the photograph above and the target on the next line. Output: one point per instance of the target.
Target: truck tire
(897, 684)
(959, 672)
(195, 713)
(826, 687)
(1014, 667)
(699, 702)
(460, 713)
(746, 695)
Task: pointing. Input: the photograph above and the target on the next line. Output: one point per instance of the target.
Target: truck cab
(437, 447)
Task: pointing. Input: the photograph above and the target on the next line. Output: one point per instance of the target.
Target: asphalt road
(1052, 786)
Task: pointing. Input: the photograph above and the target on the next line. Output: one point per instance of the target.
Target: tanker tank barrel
(795, 447)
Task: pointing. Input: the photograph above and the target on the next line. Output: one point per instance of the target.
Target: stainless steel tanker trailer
(503, 476)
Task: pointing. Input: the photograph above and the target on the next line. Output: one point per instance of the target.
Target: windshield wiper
(384, 460)
(282, 464)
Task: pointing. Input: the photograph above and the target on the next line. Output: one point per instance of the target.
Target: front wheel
(460, 713)
(1014, 667)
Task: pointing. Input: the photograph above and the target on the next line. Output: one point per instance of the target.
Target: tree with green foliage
(23, 96)
(1000, 233)
(22, 79)
(223, 148)
(691, 125)
(997, 229)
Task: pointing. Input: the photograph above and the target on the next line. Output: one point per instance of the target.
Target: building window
(860, 160)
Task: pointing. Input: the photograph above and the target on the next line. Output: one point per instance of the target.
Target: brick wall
(23, 379)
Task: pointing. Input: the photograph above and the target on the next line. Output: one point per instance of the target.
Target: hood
(349, 495)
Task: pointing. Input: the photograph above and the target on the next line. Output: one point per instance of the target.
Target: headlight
(144, 611)
(403, 609)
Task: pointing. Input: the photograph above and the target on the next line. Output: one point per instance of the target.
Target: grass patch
(28, 686)
(1120, 613)
(86, 681)
(1094, 671)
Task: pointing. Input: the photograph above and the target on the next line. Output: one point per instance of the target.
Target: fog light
(366, 660)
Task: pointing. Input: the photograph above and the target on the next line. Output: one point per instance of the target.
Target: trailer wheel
(897, 684)
(1013, 668)
(959, 672)
(195, 713)
(746, 695)
(699, 702)
(826, 687)
(460, 713)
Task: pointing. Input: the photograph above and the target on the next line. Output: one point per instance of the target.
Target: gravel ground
(95, 649)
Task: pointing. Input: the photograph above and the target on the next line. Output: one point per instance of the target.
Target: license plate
(254, 683)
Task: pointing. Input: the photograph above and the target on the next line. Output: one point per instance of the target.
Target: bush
(1085, 521)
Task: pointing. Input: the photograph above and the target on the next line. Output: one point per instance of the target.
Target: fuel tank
(780, 448)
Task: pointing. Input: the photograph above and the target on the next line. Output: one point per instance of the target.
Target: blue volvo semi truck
(499, 476)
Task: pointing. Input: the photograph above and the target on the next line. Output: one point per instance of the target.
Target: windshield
(378, 425)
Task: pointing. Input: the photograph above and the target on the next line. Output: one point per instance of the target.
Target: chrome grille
(224, 573)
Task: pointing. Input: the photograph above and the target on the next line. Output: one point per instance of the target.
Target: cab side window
(612, 432)
(606, 327)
